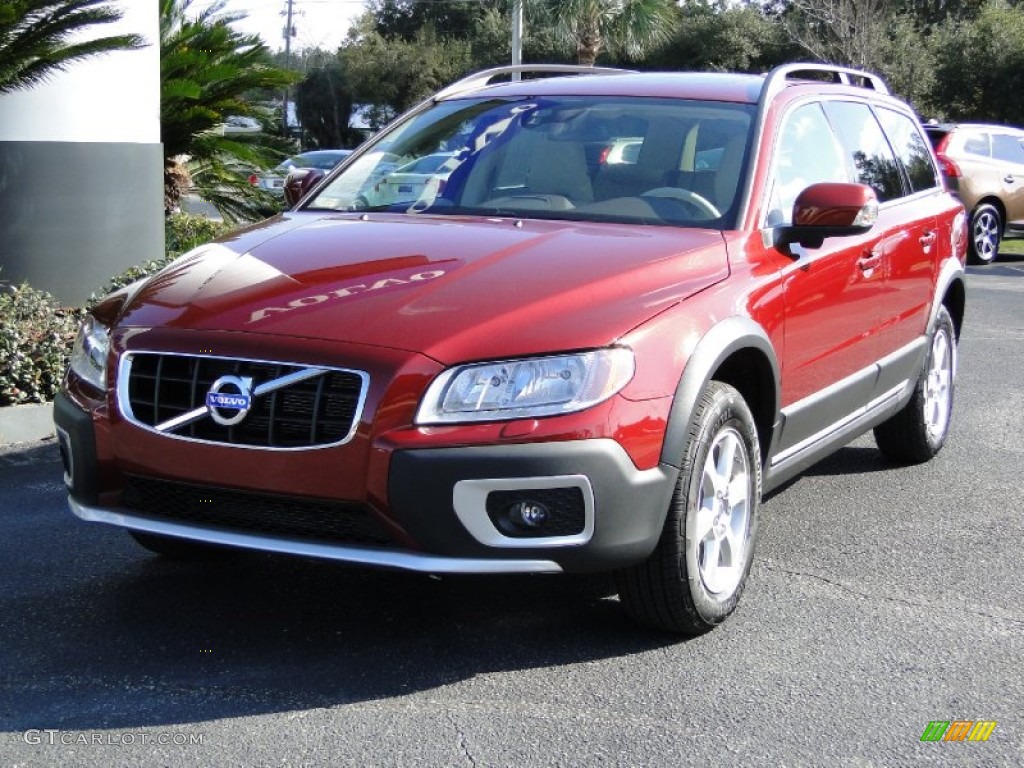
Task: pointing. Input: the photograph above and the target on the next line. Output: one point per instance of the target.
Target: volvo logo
(229, 393)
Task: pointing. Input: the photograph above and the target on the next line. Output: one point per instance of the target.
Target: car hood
(452, 288)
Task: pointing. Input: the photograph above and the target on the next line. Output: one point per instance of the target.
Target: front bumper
(410, 561)
(439, 497)
(437, 506)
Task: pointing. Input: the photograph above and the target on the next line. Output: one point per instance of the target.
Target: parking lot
(881, 599)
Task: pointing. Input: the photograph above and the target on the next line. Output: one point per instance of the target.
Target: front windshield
(644, 160)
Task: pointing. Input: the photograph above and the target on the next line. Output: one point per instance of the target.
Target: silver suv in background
(984, 166)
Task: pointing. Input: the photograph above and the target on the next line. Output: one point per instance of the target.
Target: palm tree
(34, 38)
(208, 71)
(630, 26)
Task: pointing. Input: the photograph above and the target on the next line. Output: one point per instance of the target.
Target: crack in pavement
(461, 738)
(923, 604)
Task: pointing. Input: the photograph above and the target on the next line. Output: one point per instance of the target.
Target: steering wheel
(699, 202)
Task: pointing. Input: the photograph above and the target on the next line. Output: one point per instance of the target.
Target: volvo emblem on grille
(229, 393)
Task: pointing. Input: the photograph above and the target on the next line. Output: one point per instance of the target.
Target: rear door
(897, 164)
(1008, 151)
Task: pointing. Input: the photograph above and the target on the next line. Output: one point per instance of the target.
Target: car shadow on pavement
(122, 639)
(851, 460)
(1005, 265)
(99, 634)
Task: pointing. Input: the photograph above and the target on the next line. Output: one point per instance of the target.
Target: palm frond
(33, 39)
(207, 71)
(631, 26)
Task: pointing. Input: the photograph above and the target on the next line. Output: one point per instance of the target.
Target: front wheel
(986, 233)
(693, 579)
(919, 431)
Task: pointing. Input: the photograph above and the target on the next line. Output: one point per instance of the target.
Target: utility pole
(287, 65)
(517, 35)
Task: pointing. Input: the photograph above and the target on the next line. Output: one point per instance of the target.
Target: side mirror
(829, 210)
(299, 182)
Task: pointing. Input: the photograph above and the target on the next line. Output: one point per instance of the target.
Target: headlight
(89, 356)
(528, 388)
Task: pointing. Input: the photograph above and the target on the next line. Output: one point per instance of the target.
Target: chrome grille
(167, 393)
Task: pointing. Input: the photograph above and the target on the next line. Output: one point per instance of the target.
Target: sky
(318, 23)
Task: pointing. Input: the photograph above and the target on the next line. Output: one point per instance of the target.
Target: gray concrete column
(81, 168)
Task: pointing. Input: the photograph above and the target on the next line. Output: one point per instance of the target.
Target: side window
(970, 143)
(911, 148)
(868, 152)
(806, 153)
(1008, 148)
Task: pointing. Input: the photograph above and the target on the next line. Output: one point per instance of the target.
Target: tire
(918, 432)
(174, 548)
(986, 233)
(684, 586)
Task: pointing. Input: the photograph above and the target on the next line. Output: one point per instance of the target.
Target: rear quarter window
(970, 143)
(911, 149)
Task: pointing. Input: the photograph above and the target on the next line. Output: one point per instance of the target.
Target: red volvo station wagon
(616, 310)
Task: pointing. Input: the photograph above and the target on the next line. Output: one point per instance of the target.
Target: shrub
(184, 231)
(36, 335)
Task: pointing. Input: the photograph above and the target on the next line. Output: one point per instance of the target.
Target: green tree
(393, 74)
(303, 60)
(323, 102)
(932, 12)
(848, 32)
(207, 68)
(907, 59)
(34, 38)
(405, 18)
(733, 38)
(979, 69)
(621, 27)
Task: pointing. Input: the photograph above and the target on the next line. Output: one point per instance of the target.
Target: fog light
(528, 514)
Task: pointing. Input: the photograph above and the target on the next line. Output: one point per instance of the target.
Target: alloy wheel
(938, 384)
(986, 235)
(723, 519)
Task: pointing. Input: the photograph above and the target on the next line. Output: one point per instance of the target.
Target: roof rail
(484, 77)
(776, 80)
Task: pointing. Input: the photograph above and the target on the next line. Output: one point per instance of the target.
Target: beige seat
(727, 178)
(558, 168)
(534, 164)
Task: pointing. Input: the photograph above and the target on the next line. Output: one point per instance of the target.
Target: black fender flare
(951, 277)
(716, 346)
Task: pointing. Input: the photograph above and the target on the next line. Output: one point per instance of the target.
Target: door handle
(927, 240)
(1009, 178)
(871, 260)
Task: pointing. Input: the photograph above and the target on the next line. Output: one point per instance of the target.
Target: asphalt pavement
(881, 599)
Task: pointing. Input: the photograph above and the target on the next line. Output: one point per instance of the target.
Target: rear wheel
(986, 233)
(919, 431)
(174, 548)
(693, 579)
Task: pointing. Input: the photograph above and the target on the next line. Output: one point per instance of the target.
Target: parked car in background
(546, 364)
(320, 159)
(241, 124)
(409, 182)
(984, 166)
